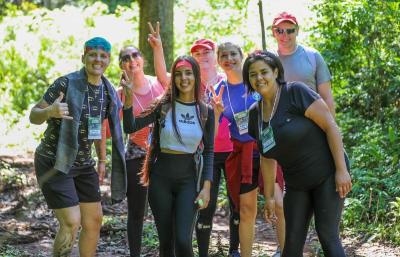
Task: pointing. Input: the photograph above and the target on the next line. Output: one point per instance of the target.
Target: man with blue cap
(75, 107)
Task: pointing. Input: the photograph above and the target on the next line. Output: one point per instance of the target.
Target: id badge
(267, 139)
(94, 125)
(242, 121)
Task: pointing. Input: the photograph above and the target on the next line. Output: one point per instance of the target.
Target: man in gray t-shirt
(301, 63)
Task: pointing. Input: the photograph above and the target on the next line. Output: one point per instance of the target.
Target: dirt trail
(27, 227)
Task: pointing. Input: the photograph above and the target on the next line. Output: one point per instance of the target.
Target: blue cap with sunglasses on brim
(97, 43)
(284, 16)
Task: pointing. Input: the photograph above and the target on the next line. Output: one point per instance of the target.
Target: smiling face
(262, 78)
(96, 62)
(131, 61)
(230, 58)
(285, 34)
(206, 58)
(185, 82)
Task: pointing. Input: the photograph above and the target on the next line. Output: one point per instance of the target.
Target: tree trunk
(153, 11)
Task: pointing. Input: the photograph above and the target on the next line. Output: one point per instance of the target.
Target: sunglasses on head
(288, 31)
(129, 57)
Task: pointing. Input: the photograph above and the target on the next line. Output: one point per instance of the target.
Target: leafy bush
(364, 60)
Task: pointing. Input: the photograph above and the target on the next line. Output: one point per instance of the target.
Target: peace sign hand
(154, 37)
(126, 84)
(59, 109)
(216, 100)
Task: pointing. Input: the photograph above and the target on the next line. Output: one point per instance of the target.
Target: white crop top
(189, 128)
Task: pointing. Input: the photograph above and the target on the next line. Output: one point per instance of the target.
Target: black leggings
(136, 196)
(205, 220)
(172, 192)
(324, 202)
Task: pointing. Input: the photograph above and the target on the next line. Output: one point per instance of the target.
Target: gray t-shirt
(298, 67)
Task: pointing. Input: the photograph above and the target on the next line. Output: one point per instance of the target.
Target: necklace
(273, 109)
(229, 99)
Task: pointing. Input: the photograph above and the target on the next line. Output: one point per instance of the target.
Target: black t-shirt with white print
(93, 98)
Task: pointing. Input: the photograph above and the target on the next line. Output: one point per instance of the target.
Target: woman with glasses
(293, 126)
(143, 90)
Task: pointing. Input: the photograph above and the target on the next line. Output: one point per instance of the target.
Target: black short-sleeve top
(94, 95)
(301, 146)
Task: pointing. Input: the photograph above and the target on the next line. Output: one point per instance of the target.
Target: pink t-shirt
(140, 103)
(222, 142)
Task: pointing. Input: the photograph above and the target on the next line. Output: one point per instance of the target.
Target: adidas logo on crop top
(187, 118)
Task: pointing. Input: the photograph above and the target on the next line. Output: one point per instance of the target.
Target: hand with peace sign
(216, 100)
(126, 84)
(155, 42)
(59, 109)
(154, 37)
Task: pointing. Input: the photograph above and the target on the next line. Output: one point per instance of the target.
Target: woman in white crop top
(178, 186)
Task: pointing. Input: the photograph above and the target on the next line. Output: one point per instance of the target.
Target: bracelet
(102, 160)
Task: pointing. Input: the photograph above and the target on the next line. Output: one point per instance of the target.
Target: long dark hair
(172, 92)
(169, 97)
(270, 59)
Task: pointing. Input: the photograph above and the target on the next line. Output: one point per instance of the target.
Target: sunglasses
(288, 31)
(129, 57)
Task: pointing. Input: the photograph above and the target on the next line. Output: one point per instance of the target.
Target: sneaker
(277, 252)
(234, 253)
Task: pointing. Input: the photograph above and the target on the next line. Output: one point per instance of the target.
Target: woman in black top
(180, 159)
(293, 126)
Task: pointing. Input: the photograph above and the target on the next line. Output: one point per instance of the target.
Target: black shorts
(80, 185)
(245, 188)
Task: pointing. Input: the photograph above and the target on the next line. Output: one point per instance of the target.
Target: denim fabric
(68, 140)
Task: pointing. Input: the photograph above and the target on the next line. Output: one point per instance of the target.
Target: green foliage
(363, 53)
(360, 41)
(38, 46)
(9, 179)
(222, 4)
(150, 237)
(220, 21)
(10, 251)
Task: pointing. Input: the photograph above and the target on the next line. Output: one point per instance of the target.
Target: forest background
(359, 39)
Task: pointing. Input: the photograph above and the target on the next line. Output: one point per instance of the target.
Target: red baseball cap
(203, 43)
(284, 16)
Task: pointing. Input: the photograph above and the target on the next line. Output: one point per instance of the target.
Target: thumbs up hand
(59, 109)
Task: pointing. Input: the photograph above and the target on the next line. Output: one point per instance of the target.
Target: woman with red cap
(203, 50)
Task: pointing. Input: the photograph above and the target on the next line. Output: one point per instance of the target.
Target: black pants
(172, 192)
(324, 202)
(205, 219)
(136, 196)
